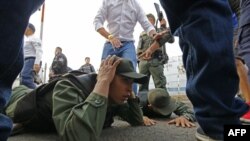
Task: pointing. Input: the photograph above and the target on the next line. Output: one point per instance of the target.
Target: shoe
(18, 128)
(245, 119)
(201, 136)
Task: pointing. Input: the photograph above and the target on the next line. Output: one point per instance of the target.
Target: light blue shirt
(122, 16)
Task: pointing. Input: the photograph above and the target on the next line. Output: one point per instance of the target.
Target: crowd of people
(79, 104)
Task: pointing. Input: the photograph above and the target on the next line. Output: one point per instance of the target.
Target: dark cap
(32, 27)
(126, 69)
(161, 102)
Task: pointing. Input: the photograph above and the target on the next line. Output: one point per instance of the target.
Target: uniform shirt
(82, 118)
(33, 48)
(87, 68)
(122, 16)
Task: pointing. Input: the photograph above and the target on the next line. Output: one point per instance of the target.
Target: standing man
(59, 65)
(244, 44)
(122, 16)
(244, 86)
(87, 67)
(13, 22)
(32, 57)
(244, 33)
(205, 33)
(154, 66)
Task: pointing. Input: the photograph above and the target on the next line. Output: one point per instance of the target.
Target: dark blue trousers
(205, 33)
(14, 17)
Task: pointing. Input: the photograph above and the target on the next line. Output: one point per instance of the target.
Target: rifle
(164, 57)
(159, 13)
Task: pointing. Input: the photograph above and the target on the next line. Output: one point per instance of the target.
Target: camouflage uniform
(154, 66)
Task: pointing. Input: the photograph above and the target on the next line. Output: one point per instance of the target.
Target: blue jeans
(126, 51)
(205, 31)
(13, 22)
(26, 76)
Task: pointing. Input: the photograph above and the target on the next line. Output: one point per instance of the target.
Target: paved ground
(121, 131)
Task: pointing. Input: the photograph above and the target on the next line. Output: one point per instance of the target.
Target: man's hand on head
(106, 75)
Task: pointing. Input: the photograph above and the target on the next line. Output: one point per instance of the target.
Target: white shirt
(33, 48)
(122, 16)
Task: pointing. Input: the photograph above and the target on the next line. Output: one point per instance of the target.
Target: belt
(121, 41)
(27, 58)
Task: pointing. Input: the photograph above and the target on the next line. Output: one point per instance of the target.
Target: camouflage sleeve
(167, 37)
(183, 110)
(131, 112)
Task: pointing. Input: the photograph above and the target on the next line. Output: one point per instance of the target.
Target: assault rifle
(164, 57)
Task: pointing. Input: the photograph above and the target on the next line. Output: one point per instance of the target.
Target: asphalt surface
(122, 131)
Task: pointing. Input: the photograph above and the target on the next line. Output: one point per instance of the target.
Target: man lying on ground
(82, 105)
(156, 103)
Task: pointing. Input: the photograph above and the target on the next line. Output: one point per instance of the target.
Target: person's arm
(159, 40)
(144, 22)
(99, 20)
(186, 115)
(92, 68)
(166, 37)
(37, 44)
(183, 110)
(77, 118)
(100, 16)
(113, 40)
(131, 112)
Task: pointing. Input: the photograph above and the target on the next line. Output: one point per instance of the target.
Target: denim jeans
(13, 22)
(126, 51)
(26, 76)
(205, 33)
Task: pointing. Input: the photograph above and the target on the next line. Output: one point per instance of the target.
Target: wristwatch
(110, 37)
